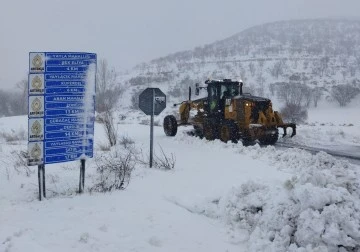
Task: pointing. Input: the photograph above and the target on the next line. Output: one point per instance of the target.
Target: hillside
(316, 53)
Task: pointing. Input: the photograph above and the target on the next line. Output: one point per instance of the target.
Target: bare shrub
(20, 162)
(294, 93)
(294, 113)
(135, 99)
(277, 69)
(145, 122)
(107, 120)
(108, 90)
(17, 162)
(163, 161)
(127, 142)
(114, 171)
(104, 147)
(343, 94)
(316, 95)
(14, 136)
(12, 103)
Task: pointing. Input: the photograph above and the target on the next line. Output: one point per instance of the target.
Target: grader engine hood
(258, 113)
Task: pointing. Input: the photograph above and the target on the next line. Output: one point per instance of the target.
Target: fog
(130, 32)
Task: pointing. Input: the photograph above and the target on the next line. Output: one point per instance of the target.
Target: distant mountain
(318, 53)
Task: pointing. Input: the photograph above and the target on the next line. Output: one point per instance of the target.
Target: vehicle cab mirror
(197, 89)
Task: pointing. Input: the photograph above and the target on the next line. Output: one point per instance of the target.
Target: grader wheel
(209, 131)
(170, 125)
(228, 132)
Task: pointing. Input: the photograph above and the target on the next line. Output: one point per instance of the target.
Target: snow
(219, 197)
(88, 107)
(331, 128)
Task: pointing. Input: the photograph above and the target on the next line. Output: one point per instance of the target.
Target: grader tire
(170, 125)
(209, 131)
(228, 132)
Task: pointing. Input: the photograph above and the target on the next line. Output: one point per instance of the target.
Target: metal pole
(40, 182)
(152, 129)
(43, 182)
(82, 176)
(83, 172)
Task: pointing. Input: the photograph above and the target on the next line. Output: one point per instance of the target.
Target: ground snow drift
(317, 210)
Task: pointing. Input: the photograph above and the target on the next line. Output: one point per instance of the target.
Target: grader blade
(293, 126)
(288, 125)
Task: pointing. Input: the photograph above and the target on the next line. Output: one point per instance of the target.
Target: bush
(343, 94)
(294, 93)
(107, 119)
(114, 171)
(127, 142)
(294, 113)
(163, 161)
(14, 136)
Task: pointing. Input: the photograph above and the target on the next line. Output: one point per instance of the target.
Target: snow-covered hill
(317, 53)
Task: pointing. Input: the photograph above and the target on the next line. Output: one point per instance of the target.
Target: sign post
(152, 101)
(41, 178)
(61, 109)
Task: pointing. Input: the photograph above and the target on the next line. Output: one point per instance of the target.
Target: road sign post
(152, 101)
(41, 179)
(61, 108)
(82, 176)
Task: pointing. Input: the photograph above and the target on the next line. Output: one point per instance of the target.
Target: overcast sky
(133, 31)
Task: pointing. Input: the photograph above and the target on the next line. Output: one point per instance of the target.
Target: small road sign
(152, 98)
(152, 101)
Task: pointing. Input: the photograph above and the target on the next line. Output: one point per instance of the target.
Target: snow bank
(316, 210)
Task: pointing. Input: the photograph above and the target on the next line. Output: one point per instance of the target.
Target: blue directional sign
(64, 83)
(62, 107)
(69, 149)
(65, 62)
(61, 69)
(63, 112)
(65, 76)
(64, 120)
(68, 142)
(65, 157)
(64, 98)
(67, 127)
(64, 90)
(71, 56)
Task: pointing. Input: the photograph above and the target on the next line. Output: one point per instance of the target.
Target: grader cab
(229, 114)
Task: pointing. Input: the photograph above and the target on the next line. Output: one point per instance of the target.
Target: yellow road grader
(229, 114)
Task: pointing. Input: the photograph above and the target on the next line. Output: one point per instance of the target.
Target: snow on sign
(61, 106)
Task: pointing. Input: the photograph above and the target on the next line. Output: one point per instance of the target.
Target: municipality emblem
(36, 82)
(36, 105)
(36, 128)
(36, 152)
(37, 61)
